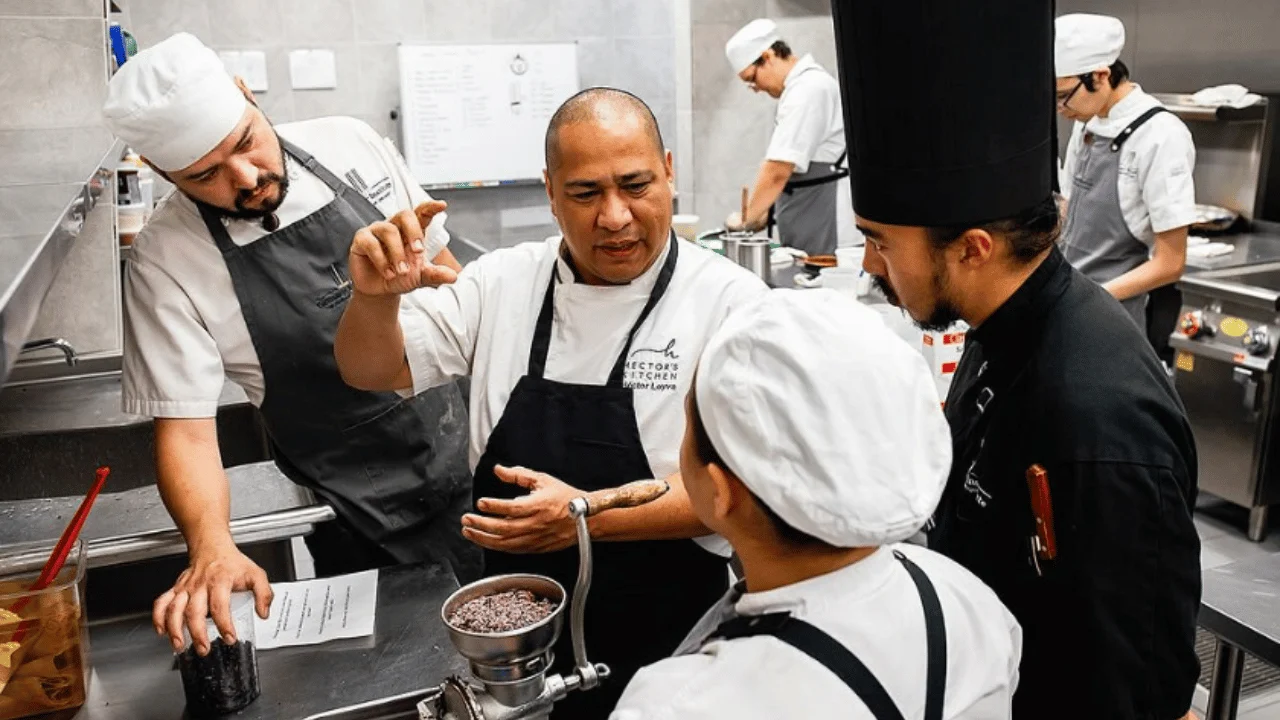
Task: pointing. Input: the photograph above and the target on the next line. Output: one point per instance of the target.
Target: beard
(265, 180)
(944, 313)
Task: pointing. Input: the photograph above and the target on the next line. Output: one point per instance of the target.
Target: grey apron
(1097, 240)
(394, 469)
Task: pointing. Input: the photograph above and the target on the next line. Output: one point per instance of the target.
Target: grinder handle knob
(625, 496)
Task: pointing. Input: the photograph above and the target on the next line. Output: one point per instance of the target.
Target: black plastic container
(222, 682)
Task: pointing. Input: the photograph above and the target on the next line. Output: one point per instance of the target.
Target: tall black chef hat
(948, 107)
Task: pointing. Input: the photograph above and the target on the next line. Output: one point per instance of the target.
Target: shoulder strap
(821, 647)
(935, 630)
(1133, 126)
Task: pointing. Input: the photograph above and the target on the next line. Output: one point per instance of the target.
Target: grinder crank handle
(625, 496)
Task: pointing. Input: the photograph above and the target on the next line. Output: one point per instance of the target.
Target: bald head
(606, 106)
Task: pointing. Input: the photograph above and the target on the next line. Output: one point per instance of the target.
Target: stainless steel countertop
(1241, 604)
(77, 404)
(134, 524)
(135, 679)
(1252, 248)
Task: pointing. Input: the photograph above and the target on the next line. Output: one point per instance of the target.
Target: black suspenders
(840, 660)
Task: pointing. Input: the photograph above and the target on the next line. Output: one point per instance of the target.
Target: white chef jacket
(1156, 188)
(808, 128)
(873, 609)
(483, 324)
(184, 330)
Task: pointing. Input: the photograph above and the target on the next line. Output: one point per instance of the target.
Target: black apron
(394, 469)
(841, 661)
(645, 595)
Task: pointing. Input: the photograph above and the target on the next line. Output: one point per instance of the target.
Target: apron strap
(365, 209)
(1133, 126)
(834, 656)
(839, 172)
(542, 329)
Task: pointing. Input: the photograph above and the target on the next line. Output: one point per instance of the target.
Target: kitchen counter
(135, 677)
(1238, 605)
(1252, 248)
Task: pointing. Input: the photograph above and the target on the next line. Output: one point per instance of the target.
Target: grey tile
(317, 22)
(1237, 547)
(1210, 559)
(155, 20)
(277, 101)
(379, 79)
(711, 210)
(712, 75)
(1184, 45)
(52, 155)
(525, 20)
(1209, 528)
(666, 116)
(643, 18)
(461, 22)
(391, 21)
(734, 12)
(579, 18)
(797, 8)
(250, 24)
(811, 35)
(597, 62)
(646, 67)
(728, 147)
(83, 304)
(684, 155)
(52, 8)
(342, 100)
(40, 93)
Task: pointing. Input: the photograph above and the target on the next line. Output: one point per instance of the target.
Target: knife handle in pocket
(1046, 541)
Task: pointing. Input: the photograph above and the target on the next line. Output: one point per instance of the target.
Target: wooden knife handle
(1042, 508)
(625, 496)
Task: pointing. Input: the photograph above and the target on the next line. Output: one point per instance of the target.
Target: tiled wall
(54, 55)
(731, 125)
(626, 43)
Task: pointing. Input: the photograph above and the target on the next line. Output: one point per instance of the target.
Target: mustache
(882, 284)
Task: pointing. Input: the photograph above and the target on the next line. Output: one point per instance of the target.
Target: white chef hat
(748, 44)
(1084, 43)
(827, 416)
(174, 102)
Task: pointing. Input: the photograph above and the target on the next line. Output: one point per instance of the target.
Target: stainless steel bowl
(515, 646)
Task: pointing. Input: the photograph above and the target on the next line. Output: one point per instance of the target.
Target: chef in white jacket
(816, 466)
(803, 183)
(1127, 176)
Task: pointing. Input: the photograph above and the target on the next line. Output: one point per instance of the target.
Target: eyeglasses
(1064, 99)
(755, 70)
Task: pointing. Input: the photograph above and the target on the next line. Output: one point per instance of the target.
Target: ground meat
(501, 612)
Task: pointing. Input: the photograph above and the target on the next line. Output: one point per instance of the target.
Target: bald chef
(1126, 176)
(816, 465)
(242, 274)
(581, 349)
(802, 183)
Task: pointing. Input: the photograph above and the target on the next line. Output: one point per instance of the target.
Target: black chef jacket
(1060, 376)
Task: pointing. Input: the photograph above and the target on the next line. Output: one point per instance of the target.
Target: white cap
(829, 417)
(1084, 43)
(748, 44)
(174, 102)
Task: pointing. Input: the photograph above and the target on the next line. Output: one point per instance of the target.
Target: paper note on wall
(313, 70)
(250, 65)
(310, 612)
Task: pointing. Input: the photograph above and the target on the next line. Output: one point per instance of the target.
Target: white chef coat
(808, 128)
(184, 330)
(483, 324)
(1156, 188)
(873, 609)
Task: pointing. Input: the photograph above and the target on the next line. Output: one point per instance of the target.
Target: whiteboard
(475, 115)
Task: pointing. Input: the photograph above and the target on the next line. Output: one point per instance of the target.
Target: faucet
(68, 352)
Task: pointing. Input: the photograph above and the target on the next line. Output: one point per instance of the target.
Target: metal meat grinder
(510, 679)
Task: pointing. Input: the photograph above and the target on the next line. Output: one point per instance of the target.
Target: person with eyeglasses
(801, 185)
(1127, 177)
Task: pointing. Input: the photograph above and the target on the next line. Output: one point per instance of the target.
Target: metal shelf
(1183, 107)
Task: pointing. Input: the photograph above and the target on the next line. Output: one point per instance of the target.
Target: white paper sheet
(250, 65)
(310, 612)
(313, 70)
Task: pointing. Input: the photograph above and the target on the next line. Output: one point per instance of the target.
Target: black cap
(948, 107)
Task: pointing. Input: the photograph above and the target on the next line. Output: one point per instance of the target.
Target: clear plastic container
(48, 636)
(226, 680)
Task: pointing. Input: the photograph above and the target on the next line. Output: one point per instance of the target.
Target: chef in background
(580, 349)
(241, 275)
(1126, 176)
(817, 499)
(1073, 474)
(802, 184)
